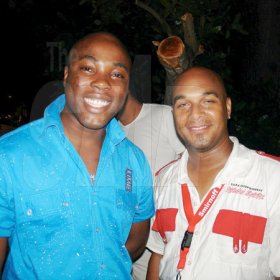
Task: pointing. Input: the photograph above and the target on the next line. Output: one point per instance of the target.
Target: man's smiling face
(96, 81)
(201, 109)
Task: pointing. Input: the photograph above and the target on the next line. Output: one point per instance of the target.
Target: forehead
(102, 49)
(195, 82)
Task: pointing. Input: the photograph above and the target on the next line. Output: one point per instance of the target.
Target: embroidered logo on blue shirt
(128, 180)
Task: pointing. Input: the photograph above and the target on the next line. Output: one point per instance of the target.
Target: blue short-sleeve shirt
(59, 223)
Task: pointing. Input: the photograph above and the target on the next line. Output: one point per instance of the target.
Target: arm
(153, 267)
(137, 239)
(3, 252)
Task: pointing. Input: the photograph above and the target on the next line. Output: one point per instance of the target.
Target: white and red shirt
(239, 236)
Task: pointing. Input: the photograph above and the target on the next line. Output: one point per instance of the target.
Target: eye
(87, 69)
(118, 75)
(183, 105)
(209, 102)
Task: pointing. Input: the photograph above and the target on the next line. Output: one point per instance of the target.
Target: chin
(199, 146)
(96, 125)
(93, 123)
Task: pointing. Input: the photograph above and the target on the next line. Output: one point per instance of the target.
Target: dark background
(241, 41)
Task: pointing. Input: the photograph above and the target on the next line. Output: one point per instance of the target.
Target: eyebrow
(118, 64)
(178, 97)
(206, 93)
(211, 93)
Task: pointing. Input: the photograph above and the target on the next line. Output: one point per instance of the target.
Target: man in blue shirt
(75, 193)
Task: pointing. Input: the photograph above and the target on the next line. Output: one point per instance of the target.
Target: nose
(100, 81)
(196, 111)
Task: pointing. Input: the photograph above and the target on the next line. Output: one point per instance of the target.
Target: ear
(65, 74)
(228, 106)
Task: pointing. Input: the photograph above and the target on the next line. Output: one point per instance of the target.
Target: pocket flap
(165, 220)
(242, 226)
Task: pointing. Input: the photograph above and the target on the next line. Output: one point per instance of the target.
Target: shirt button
(97, 229)
(29, 212)
(196, 232)
(119, 203)
(189, 262)
(66, 204)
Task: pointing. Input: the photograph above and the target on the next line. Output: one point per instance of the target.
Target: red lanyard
(194, 219)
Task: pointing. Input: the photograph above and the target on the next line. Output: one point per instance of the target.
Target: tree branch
(150, 10)
(189, 33)
(172, 56)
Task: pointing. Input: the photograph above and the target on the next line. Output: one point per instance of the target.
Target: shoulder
(169, 172)
(257, 164)
(161, 107)
(166, 184)
(159, 114)
(251, 157)
(170, 165)
(269, 156)
(135, 154)
(267, 162)
(128, 144)
(157, 108)
(262, 158)
(266, 170)
(21, 138)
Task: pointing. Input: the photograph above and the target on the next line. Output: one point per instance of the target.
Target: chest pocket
(45, 170)
(246, 233)
(45, 219)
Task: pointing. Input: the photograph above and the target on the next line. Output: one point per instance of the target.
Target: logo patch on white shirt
(245, 190)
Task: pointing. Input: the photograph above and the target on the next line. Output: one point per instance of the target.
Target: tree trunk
(176, 55)
(172, 55)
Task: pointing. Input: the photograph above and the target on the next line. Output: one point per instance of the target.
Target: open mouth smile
(95, 102)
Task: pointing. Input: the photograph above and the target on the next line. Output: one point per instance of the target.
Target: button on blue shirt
(59, 223)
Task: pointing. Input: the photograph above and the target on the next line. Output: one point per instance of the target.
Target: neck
(130, 110)
(203, 167)
(87, 142)
(215, 157)
(81, 136)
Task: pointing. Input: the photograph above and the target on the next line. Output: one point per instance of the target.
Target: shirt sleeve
(145, 207)
(155, 242)
(274, 233)
(6, 204)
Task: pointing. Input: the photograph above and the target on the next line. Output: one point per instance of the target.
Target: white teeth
(198, 128)
(99, 103)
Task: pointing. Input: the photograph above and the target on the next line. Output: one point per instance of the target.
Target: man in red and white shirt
(218, 207)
